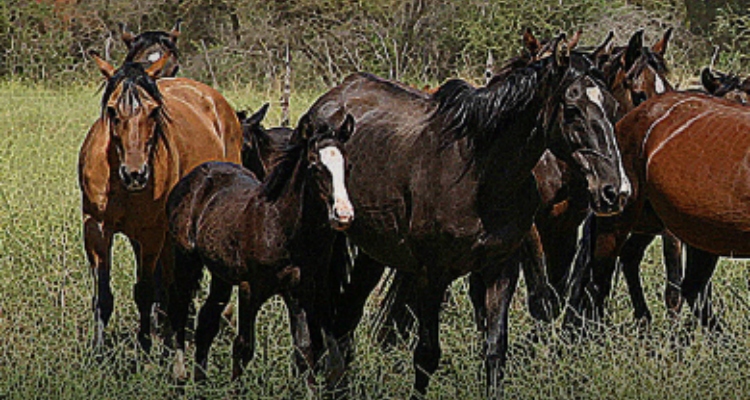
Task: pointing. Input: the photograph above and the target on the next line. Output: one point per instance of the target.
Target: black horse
(443, 182)
(270, 237)
(149, 46)
(261, 146)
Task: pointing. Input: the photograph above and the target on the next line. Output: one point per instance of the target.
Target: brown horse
(270, 237)
(148, 47)
(444, 181)
(686, 153)
(150, 133)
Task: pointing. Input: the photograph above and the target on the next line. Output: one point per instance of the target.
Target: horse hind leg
(209, 319)
(243, 349)
(98, 246)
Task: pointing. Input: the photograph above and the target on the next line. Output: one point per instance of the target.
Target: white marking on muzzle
(332, 158)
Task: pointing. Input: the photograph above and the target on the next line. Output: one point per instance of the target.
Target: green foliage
(244, 42)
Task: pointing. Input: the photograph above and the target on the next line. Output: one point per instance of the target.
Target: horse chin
(135, 187)
(339, 225)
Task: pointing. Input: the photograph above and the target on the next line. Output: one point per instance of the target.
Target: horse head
(326, 160)
(728, 86)
(149, 47)
(133, 110)
(587, 140)
(636, 73)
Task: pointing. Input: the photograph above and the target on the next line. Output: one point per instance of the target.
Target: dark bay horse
(148, 47)
(261, 146)
(270, 237)
(726, 85)
(443, 182)
(150, 133)
(685, 152)
(633, 73)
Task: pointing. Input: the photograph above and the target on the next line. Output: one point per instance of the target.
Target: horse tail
(394, 316)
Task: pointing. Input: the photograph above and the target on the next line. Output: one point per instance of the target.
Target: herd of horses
(485, 181)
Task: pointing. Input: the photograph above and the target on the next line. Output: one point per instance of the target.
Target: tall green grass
(46, 321)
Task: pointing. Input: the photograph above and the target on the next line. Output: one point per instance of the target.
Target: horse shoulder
(94, 169)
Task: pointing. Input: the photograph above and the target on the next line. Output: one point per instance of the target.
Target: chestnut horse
(444, 182)
(270, 237)
(148, 47)
(150, 133)
(685, 152)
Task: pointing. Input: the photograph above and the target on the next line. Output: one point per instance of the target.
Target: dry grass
(46, 321)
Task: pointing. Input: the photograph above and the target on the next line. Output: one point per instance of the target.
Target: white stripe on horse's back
(674, 134)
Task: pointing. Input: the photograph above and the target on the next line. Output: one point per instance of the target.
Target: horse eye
(112, 115)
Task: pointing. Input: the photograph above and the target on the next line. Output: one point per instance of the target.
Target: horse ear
(154, 70)
(175, 32)
(634, 50)
(258, 116)
(561, 53)
(346, 129)
(602, 49)
(573, 42)
(660, 47)
(530, 42)
(127, 36)
(106, 68)
(304, 126)
(710, 82)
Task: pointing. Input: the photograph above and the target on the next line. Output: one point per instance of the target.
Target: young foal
(270, 237)
(145, 140)
(261, 147)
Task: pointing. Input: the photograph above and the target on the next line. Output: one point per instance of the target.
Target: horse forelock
(131, 76)
(150, 38)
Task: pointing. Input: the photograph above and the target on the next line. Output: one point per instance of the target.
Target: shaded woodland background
(418, 41)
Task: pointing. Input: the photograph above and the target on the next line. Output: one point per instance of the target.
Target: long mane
(480, 114)
(278, 179)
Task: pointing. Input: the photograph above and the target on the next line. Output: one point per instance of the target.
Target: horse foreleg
(699, 268)
(243, 349)
(349, 304)
(427, 352)
(304, 356)
(98, 246)
(144, 290)
(499, 296)
(208, 323)
(543, 302)
(672, 250)
(188, 273)
(478, 296)
(630, 259)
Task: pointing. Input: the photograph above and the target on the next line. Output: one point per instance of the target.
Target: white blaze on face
(659, 85)
(595, 95)
(154, 57)
(332, 158)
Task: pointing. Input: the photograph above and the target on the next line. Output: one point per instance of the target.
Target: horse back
(193, 104)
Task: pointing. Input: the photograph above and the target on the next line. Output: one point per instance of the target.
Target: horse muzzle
(610, 199)
(341, 215)
(134, 180)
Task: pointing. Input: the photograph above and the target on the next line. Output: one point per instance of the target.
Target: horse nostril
(610, 195)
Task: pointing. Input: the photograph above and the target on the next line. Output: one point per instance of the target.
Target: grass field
(46, 322)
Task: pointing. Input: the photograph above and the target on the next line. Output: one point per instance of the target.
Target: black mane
(278, 179)
(479, 114)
